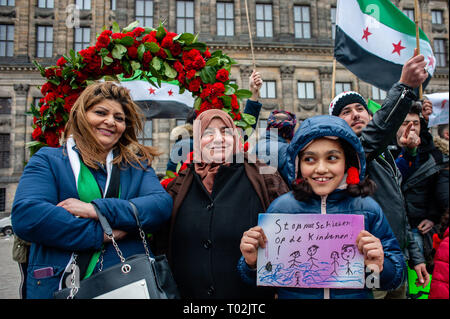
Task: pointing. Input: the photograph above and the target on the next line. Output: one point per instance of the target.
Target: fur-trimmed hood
(441, 144)
(181, 131)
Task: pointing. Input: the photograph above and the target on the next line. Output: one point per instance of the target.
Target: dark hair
(441, 129)
(190, 117)
(416, 108)
(302, 191)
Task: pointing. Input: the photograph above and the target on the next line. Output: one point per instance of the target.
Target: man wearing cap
(376, 131)
(279, 132)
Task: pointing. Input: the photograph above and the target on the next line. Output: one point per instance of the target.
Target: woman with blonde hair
(100, 167)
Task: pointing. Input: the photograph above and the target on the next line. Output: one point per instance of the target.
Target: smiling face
(107, 120)
(216, 142)
(356, 116)
(322, 165)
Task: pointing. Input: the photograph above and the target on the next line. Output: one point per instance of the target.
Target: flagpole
(416, 18)
(333, 79)
(250, 35)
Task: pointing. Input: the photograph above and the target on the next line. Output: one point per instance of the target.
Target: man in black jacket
(420, 163)
(375, 132)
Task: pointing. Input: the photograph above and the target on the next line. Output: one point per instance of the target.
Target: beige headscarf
(208, 171)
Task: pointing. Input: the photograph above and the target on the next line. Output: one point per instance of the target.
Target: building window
(45, 4)
(180, 122)
(2, 199)
(225, 19)
(5, 105)
(439, 52)
(44, 42)
(83, 4)
(7, 3)
(185, 16)
(333, 22)
(436, 16)
(378, 94)
(409, 13)
(6, 40)
(147, 135)
(306, 90)
(113, 4)
(81, 38)
(144, 12)
(264, 20)
(268, 90)
(302, 22)
(4, 150)
(342, 87)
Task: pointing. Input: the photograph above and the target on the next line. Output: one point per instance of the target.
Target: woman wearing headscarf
(216, 198)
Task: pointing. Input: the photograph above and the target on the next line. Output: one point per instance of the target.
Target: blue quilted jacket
(55, 233)
(338, 202)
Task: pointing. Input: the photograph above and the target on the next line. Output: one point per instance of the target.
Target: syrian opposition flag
(374, 39)
(159, 102)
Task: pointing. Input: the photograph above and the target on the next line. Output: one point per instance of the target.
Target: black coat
(206, 236)
(381, 167)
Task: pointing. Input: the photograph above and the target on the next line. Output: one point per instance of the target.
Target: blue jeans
(418, 237)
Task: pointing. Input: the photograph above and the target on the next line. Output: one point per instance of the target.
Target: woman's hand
(251, 240)
(78, 208)
(117, 233)
(370, 246)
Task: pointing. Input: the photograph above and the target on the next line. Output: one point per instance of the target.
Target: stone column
(325, 73)
(287, 92)
(19, 128)
(246, 71)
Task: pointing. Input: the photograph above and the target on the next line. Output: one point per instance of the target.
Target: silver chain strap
(73, 288)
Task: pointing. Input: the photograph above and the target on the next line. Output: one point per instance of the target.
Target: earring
(352, 176)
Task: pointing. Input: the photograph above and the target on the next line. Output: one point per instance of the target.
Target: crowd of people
(385, 166)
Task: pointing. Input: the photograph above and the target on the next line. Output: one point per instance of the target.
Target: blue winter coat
(338, 202)
(55, 233)
(272, 148)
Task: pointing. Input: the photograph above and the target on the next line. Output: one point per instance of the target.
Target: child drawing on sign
(348, 253)
(335, 263)
(326, 168)
(311, 252)
(294, 261)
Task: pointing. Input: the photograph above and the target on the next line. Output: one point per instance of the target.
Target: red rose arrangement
(158, 53)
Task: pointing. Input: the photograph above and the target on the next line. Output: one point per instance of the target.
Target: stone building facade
(293, 48)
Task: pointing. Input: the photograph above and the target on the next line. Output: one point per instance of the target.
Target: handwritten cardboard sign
(311, 251)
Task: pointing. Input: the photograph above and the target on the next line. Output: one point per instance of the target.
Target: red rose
(162, 54)
(176, 49)
(65, 89)
(61, 61)
(206, 91)
(49, 73)
(37, 132)
(181, 77)
(199, 62)
(178, 66)
(51, 138)
(50, 97)
(102, 42)
(190, 74)
(47, 87)
(207, 54)
(106, 33)
(58, 118)
(217, 89)
(194, 86)
(234, 102)
(222, 75)
(205, 106)
(117, 35)
(58, 72)
(167, 42)
(69, 101)
(217, 103)
(147, 57)
(132, 52)
(137, 32)
(44, 108)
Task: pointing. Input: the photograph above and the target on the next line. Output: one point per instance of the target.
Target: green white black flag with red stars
(374, 39)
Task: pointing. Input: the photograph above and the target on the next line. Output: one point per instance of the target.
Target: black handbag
(136, 277)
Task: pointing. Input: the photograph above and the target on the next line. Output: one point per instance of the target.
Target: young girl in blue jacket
(326, 166)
